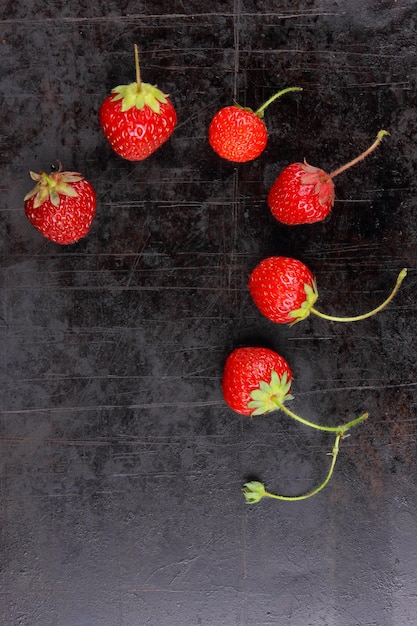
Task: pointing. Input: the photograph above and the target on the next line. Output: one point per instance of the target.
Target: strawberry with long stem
(257, 381)
(285, 291)
(238, 133)
(137, 118)
(304, 194)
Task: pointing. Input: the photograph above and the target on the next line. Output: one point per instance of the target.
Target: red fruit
(137, 119)
(256, 381)
(61, 206)
(304, 194)
(284, 290)
(239, 134)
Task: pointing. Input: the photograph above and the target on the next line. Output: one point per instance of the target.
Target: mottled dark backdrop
(121, 467)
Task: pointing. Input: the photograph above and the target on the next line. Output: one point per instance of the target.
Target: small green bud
(253, 491)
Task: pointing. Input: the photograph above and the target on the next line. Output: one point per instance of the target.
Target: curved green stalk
(381, 134)
(331, 429)
(260, 112)
(379, 308)
(255, 491)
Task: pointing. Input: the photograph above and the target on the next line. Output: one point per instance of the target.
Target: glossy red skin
(237, 134)
(277, 287)
(244, 369)
(68, 222)
(292, 202)
(136, 133)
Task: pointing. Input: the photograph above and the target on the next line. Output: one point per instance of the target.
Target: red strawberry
(61, 206)
(284, 290)
(255, 380)
(304, 194)
(239, 134)
(137, 118)
(258, 380)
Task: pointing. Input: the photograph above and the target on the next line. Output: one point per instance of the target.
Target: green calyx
(52, 186)
(273, 395)
(139, 96)
(307, 306)
(242, 108)
(270, 396)
(254, 491)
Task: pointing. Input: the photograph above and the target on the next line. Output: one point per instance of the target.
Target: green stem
(379, 308)
(259, 112)
(349, 425)
(381, 134)
(137, 66)
(335, 452)
(330, 429)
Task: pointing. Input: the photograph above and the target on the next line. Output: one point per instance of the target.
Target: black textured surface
(121, 467)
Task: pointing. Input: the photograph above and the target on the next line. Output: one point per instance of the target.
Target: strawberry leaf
(269, 396)
(52, 186)
(139, 96)
(253, 491)
(305, 309)
(53, 196)
(322, 183)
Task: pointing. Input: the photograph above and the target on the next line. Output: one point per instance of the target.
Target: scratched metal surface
(121, 468)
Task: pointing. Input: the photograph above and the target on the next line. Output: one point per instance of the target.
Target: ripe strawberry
(239, 134)
(61, 206)
(256, 380)
(137, 118)
(284, 290)
(304, 194)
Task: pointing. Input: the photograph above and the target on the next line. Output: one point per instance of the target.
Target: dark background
(121, 467)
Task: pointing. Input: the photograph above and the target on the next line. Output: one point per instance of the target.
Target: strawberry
(258, 380)
(255, 380)
(304, 194)
(238, 133)
(61, 206)
(137, 118)
(284, 290)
